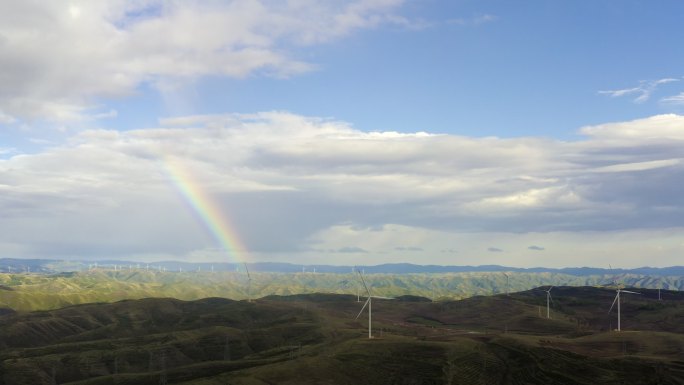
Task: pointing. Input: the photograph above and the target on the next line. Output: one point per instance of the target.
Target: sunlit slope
(314, 339)
(25, 292)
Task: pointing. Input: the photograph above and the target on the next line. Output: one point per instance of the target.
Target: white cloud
(6, 119)
(57, 58)
(643, 91)
(639, 166)
(674, 99)
(657, 128)
(624, 248)
(290, 184)
(556, 196)
(474, 21)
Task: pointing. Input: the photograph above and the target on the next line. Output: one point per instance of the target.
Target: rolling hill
(26, 292)
(314, 339)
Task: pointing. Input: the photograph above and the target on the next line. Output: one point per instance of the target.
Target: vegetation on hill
(314, 339)
(25, 292)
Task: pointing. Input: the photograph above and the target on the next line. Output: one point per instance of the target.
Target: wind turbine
(430, 285)
(617, 299)
(358, 294)
(249, 283)
(369, 302)
(549, 301)
(612, 280)
(506, 283)
(660, 285)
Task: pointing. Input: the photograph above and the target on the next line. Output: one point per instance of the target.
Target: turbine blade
(376, 296)
(550, 288)
(551, 298)
(627, 291)
(364, 306)
(364, 284)
(247, 270)
(611, 306)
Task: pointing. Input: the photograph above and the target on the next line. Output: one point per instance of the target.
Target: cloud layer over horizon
(88, 170)
(307, 189)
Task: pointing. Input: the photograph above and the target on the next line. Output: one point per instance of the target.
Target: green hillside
(25, 292)
(314, 339)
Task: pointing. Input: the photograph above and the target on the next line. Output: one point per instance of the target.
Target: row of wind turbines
(549, 301)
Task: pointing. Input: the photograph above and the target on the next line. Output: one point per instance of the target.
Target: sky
(461, 132)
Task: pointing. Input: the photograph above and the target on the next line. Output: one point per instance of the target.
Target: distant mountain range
(50, 266)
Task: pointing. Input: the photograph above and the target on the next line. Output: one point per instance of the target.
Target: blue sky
(372, 130)
(473, 68)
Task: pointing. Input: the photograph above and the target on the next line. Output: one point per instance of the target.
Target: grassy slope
(314, 339)
(25, 292)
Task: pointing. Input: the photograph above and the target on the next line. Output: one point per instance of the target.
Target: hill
(26, 292)
(314, 339)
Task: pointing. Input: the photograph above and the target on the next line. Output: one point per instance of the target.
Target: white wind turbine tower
(358, 295)
(369, 302)
(549, 300)
(660, 285)
(249, 283)
(617, 299)
(506, 275)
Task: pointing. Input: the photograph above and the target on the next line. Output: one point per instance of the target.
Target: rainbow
(205, 209)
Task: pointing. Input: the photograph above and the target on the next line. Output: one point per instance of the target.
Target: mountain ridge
(51, 266)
